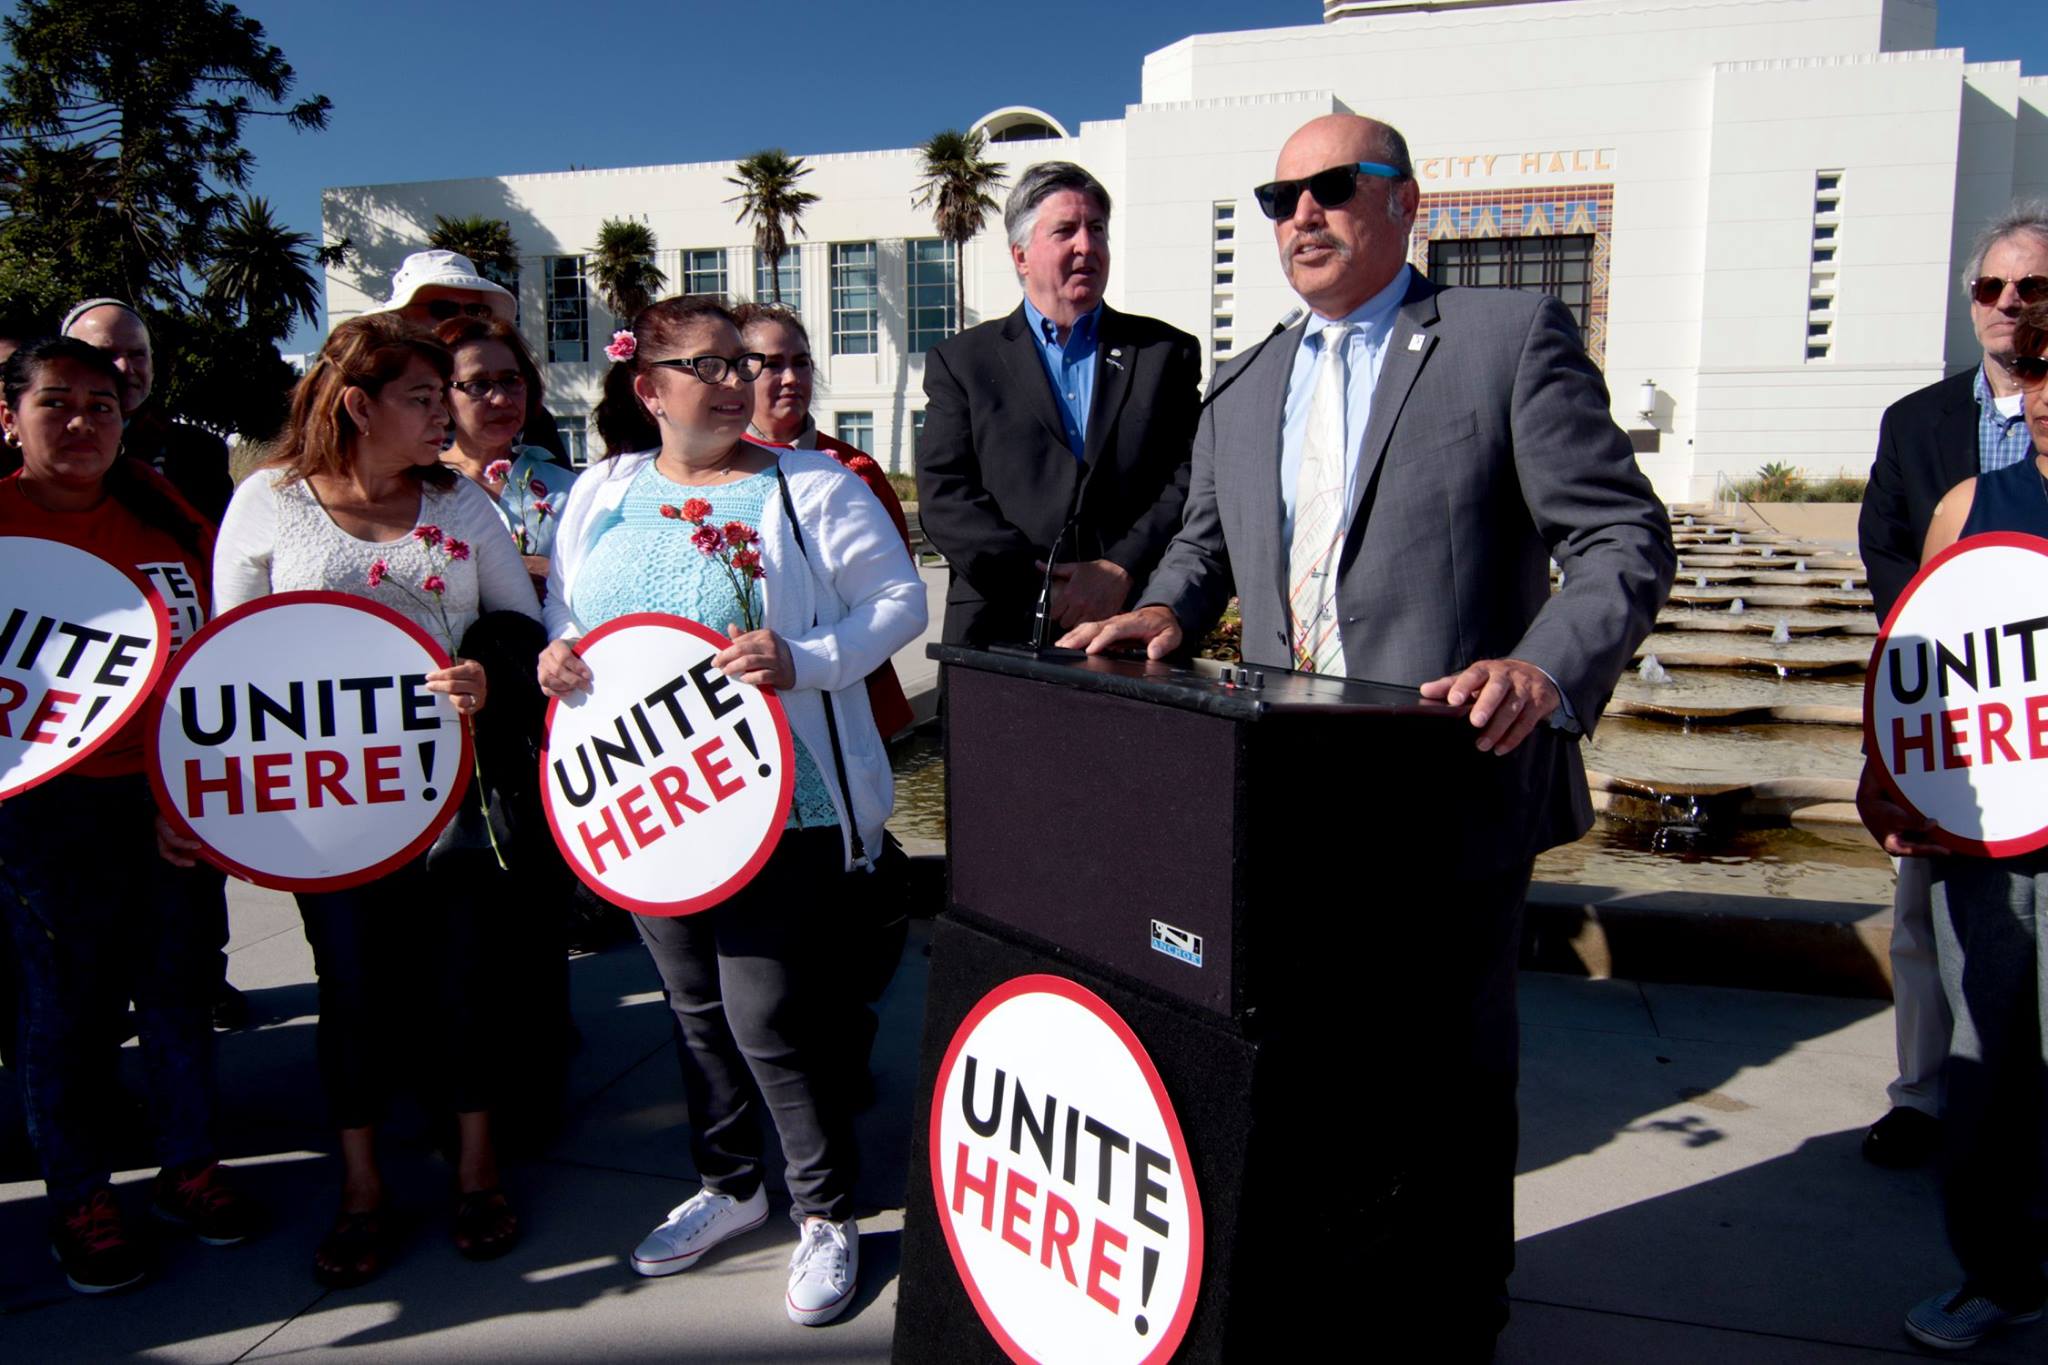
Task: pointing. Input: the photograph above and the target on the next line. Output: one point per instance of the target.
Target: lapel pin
(1114, 353)
(1415, 342)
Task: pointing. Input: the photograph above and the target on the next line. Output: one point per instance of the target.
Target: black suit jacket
(1926, 445)
(996, 479)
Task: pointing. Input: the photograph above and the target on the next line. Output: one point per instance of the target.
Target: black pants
(403, 963)
(763, 1011)
(1991, 940)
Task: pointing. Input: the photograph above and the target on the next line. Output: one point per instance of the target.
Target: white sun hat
(446, 270)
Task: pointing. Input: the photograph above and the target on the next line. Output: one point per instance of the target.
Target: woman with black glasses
(757, 982)
(494, 387)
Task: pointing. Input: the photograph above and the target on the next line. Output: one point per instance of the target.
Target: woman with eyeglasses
(757, 982)
(782, 417)
(1991, 945)
(494, 386)
(356, 500)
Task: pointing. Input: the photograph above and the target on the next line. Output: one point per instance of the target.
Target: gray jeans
(1989, 918)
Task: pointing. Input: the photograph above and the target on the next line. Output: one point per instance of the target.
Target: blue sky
(433, 91)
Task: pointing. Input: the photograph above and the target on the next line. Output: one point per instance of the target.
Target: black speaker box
(1268, 1175)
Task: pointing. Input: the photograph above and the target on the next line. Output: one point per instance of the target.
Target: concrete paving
(1691, 1191)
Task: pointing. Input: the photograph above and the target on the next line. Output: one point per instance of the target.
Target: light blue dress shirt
(1070, 367)
(1365, 351)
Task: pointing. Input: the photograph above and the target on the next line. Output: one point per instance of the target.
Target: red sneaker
(92, 1244)
(199, 1198)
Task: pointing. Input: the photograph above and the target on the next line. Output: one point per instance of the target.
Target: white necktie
(1319, 508)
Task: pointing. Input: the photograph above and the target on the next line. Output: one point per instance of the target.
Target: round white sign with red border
(666, 783)
(298, 742)
(82, 642)
(1956, 700)
(1062, 1180)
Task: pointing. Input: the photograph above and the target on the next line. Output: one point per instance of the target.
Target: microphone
(1042, 614)
(1287, 319)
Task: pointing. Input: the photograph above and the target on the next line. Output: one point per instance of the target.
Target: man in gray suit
(1383, 488)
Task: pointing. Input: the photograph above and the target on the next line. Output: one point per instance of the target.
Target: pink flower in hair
(623, 346)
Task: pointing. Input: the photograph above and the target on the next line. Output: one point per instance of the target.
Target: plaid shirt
(2001, 440)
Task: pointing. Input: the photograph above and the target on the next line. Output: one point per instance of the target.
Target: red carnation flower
(738, 533)
(696, 509)
(545, 510)
(747, 562)
(435, 584)
(672, 513)
(457, 549)
(707, 539)
(377, 572)
(430, 534)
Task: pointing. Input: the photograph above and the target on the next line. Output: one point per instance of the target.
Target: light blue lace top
(640, 560)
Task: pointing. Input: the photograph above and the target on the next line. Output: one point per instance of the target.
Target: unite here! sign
(666, 783)
(81, 645)
(298, 742)
(1062, 1179)
(1956, 699)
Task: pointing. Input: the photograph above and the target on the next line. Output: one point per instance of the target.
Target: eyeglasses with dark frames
(2029, 370)
(1330, 188)
(712, 369)
(512, 386)
(1989, 289)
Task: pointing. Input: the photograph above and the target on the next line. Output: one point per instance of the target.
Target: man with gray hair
(1927, 443)
(1055, 442)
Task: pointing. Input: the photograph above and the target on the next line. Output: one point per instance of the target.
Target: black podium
(1172, 840)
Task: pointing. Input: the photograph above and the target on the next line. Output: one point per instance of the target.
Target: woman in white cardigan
(754, 982)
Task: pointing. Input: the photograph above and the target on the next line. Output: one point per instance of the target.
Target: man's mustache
(1319, 237)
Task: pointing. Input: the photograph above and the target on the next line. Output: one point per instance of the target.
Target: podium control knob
(1258, 678)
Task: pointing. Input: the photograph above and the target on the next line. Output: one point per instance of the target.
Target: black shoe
(230, 1009)
(1902, 1139)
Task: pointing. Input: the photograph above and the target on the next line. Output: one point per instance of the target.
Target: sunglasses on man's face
(1989, 289)
(2029, 370)
(440, 310)
(1277, 200)
(712, 369)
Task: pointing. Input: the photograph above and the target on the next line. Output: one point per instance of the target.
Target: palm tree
(622, 266)
(768, 195)
(262, 269)
(486, 241)
(956, 187)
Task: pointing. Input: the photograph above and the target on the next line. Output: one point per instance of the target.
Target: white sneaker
(823, 1270)
(695, 1226)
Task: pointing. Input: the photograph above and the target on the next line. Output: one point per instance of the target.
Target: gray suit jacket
(1489, 452)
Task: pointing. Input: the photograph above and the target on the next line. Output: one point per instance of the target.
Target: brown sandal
(354, 1251)
(485, 1226)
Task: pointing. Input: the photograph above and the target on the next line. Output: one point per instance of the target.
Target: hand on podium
(1088, 591)
(1509, 699)
(1155, 627)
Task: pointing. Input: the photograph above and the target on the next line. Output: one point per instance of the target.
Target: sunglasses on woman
(440, 310)
(712, 369)
(1989, 289)
(2029, 370)
(1277, 200)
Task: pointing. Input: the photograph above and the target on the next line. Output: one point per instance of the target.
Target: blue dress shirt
(1070, 368)
(2001, 440)
(1365, 351)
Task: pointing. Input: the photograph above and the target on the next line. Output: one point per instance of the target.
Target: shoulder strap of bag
(860, 852)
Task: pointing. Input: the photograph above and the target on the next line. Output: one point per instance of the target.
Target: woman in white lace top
(358, 482)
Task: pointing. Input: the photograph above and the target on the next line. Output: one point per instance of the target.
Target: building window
(575, 440)
(1823, 282)
(568, 311)
(1223, 267)
(792, 279)
(856, 298)
(857, 429)
(1560, 266)
(916, 435)
(704, 272)
(933, 292)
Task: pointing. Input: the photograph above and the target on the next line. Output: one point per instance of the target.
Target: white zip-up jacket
(856, 583)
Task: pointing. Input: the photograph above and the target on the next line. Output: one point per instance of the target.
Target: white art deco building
(1758, 209)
